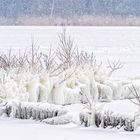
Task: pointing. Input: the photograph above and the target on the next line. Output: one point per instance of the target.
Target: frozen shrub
(5, 108)
(37, 111)
(108, 120)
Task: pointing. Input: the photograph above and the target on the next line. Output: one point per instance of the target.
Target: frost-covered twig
(113, 66)
(136, 95)
(66, 50)
(49, 61)
(84, 58)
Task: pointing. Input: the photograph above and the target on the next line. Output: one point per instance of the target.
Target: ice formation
(83, 82)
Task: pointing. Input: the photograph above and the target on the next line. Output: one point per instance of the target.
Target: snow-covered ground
(11, 129)
(107, 43)
(15, 129)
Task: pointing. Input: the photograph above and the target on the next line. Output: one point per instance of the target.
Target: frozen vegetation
(67, 86)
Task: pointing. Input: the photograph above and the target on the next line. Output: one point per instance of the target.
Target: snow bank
(60, 120)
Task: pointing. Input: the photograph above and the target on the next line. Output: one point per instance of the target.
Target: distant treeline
(66, 9)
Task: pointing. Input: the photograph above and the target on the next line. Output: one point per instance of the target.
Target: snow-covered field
(107, 43)
(15, 129)
(30, 130)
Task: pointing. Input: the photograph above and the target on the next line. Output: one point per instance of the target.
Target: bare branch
(113, 66)
(49, 60)
(136, 95)
(66, 50)
(84, 58)
(66, 77)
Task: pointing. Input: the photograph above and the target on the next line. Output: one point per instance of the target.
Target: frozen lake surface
(85, 37)
(106, 42)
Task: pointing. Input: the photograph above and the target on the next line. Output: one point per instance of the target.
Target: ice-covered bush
(48, 113)
(87, 118)
(107, 119)
(5, 108)
(63, 76)
(38, 111)
(134, 92)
